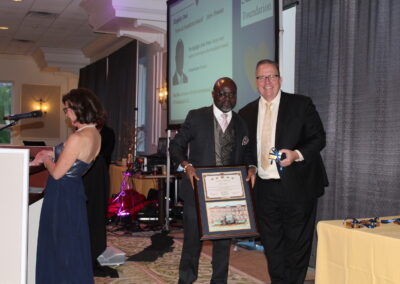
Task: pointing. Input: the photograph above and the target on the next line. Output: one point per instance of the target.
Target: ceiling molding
(144, 20)
(154, 10)
(64, 36)
(104, 46)
(99, 12)
(147, 38)
(60, 59)
(157, 26)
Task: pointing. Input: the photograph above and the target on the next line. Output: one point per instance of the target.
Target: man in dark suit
(215, 136)
(285, 200)
(97, 189)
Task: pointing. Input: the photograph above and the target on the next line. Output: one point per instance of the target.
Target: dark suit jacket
(197, 132)
(107, 143)
(298, 127)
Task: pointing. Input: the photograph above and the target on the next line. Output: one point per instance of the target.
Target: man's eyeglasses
(65, 109)
(227, 95)
(271, 78)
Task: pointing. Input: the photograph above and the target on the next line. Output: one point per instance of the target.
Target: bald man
(216, 136)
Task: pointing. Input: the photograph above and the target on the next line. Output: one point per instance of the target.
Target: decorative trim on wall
(155, 105)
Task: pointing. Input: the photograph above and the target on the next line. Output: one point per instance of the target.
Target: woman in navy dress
(63, 252)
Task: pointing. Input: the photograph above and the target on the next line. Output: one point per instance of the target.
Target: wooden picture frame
(224, 203)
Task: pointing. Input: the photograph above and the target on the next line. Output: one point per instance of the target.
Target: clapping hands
(41, 157)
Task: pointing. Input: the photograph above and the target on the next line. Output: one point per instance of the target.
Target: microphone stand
(9, 125)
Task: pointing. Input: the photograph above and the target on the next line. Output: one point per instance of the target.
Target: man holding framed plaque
(215, 136)
(286, 137)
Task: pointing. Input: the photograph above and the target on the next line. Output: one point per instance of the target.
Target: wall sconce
(162, 93)
(41, 105)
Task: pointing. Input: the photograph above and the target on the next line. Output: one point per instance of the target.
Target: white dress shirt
(218, 115)
(270, 172)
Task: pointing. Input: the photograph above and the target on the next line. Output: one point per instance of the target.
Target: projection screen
(209, 39)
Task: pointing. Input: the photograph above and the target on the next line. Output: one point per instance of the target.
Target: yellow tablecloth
(359, 256)
(142, 186)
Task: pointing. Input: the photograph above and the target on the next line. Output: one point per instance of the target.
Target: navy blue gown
(63, 252)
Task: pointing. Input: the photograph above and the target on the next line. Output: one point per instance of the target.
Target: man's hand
(251, 175)
(291, 156)
(190, 172)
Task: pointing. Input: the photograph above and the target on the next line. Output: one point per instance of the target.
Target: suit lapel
(254, 122)
(253, 116)
(280, 123)
(209, 124)
(238, 132)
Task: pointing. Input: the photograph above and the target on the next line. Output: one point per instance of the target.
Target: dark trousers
(188, 267)
(97, 183)
(286, 229)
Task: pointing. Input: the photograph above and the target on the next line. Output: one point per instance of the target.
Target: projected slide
(209, 39)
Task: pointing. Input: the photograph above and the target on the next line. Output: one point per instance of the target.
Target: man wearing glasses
(286, 136)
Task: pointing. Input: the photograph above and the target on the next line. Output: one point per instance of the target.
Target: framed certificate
(224, 203)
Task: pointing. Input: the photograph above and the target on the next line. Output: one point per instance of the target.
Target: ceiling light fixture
(3, 28)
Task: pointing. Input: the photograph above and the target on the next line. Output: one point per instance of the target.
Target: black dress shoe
(105, 271)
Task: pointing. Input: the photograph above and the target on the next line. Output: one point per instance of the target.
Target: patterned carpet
(164, 269)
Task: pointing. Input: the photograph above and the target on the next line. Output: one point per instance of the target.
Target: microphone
(36, 113)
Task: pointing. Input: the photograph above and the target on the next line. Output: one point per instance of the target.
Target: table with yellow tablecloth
(142, 185)
(362, 255)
